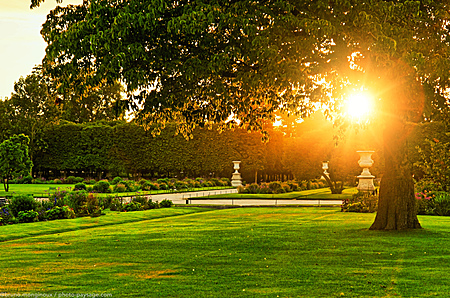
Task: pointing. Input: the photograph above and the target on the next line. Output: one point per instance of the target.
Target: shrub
(38, 181)
(69, 179)
(57, 181)
(276, 187)
(292, 185)
(163, 186)
(141, 200)
(76, 200)
(78, 180)
(360, 202)
(197, 184)
(92, 181)
(252, 188)
(116, 204)
(27, 216)
(166, 204)
(286, 187)
(102, 186)
(442, 203)
(226, 181)
(264, 189)
(116, 180)
(189, 183)
(105, 202)
(79, 186)
(5, 215)
(27, 179)
(91, 207)
(142, 181)
(132, 206)
(152, 205)
(47, 204)
(149, 186)
(163, 180)
(120, 187)
(425, 202)
(58, 198)
(58, 212)
(426, 185)
(21, 203)
(180, 185)
(241, 189)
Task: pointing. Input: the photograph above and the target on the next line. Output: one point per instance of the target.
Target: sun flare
(359, 105)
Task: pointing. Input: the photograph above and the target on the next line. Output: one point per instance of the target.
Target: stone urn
(325, 168)
(366, 178)
(236, 179)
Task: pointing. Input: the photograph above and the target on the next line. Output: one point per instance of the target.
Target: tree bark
(396, 204)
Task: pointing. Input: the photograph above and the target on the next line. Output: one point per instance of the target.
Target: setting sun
(359, 105)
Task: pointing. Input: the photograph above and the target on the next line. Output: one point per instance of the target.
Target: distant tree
(32, 108)
(14, 159)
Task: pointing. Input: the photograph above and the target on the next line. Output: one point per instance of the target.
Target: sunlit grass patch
(286, 252)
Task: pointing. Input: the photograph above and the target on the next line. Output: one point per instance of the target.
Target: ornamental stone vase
(236, 179)
(366, 178)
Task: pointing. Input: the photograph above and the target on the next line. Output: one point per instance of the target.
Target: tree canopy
(211, 61)
(14, 159)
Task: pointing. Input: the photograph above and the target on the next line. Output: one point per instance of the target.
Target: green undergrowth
(242, 252)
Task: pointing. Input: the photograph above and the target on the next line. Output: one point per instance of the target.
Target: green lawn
(245, 252)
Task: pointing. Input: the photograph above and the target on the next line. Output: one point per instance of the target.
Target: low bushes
(277, 187)
(361, 202)
(433, 203)
(64, 205)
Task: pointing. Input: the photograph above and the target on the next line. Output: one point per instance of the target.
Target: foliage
(58, 197)
(165, 203)
(5, 215)
(274, 187)
(14, 159)
(27, 216)
(79, 186)
(120, 187)
(91, 207)
(102, 186)
(77, 199)
(360, 202)
(58, 212)
(116, 180)
(433, 203)
(434, 160)
(116, 204)
(21, 203)
(132, 206)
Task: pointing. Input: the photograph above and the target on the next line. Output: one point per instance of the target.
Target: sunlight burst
(359, 106)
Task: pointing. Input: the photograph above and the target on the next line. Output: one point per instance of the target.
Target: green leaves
(14, 159)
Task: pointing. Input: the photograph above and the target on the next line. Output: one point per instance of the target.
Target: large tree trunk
(396, 205)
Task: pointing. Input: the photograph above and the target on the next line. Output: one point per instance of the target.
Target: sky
(21, 44)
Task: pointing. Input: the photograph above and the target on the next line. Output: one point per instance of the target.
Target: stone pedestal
(236, 179)
(366, 178)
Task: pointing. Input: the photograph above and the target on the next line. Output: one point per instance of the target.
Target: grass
(245, 252)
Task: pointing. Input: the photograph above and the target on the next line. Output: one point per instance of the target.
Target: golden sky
(21, 44)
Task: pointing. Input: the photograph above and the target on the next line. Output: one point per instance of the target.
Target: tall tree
(208, 61)
(14, 159)
(32, 108)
